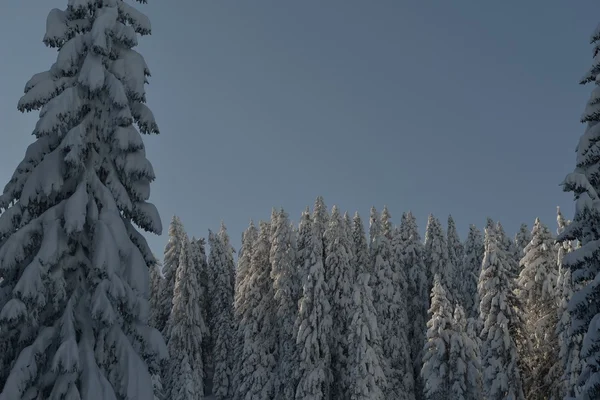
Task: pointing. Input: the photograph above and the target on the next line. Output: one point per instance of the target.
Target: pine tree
(436, 351)
(177, 237)
(242, 291)
(185, 374)
(537, 292)
(257, 375)
(365, 358)
(470, 273)
(74, 269)
(390, 317)
(221, 265)
(464, 363)
(501, 375)
(522, 239)
(286, 285)
(314, 324)
(569, 344)
(436, 254)
(455, 258)
(339, 277)
(418, 294)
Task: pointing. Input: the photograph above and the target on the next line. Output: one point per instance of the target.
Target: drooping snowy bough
(75, 269)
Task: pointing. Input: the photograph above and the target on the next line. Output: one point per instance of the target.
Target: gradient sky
(466, 107)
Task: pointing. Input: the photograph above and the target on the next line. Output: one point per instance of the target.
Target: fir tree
(569, 344)
(436, 254)
(199, 261)
(361, 248)
(522, 239)
(320, 220)
(391, 318)
(510, 250)
(242, 291)
(303, 246)
(537, 284)
(286, 293)
(348, 233)
(470, 273)
(339, 277)
(464, 363)
(365, 358)
(418, 295)
(436, 352)
(221, 265)
(455, 258)
(156, 282)
(74, 269)
(314, 322)
(501, 375)
(185, 374)
(257, 375)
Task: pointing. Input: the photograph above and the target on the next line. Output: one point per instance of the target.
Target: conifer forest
(338, 306)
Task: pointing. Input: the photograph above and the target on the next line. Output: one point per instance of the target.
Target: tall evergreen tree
(456, 252)
(229, 252)
(436, 351)
(257, 375)
(185, 373)
(417, 295)
(304, 246)
(286, 285)
(510, 249)
(314, 322)
(199, 261)
(537, 292)
(569, 343)
(361, 258)
(522, 239)
(470, 272)
(177, 237)
(464, 363)
(156, 282)
(221, 265)
(320, 220)
(242, 291)
(501, 374)
(339, 277)
(365, 357)
(436, 254)
(390, 317)
(74, 269)
(348, 233)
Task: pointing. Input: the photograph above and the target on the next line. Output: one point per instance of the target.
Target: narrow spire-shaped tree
(185, 372)
(156, 282)
(470, 273)
(74, 269)
(221, 265)
(304, 246)
(339, 277)
(436, 351)
(417, 295)
(501, 375)
(510, 249)
(464, 363)
(537, 294)
(436, 254)
(177, 237)
(522, 239)
(229, 252)
(456, 252)
(200, 262)
(286, 285)
(314, 322)
(258, 322)
(387, 305)
(365, 358)
(320, 218)
(361, 247)
(249, 238)
(348, 233)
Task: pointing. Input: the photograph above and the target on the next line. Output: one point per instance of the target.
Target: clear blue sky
(466, 107)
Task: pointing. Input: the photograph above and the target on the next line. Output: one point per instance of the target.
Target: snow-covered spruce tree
(470, 272)
(339, 278)
(286, 285)
(365, 357)
(500, 321)
(569, 345)
(303, 246)
(456, 252)
(156, 281)
(436, 351)
(198, 250)
(75, 270)
(229, 252)
(221, 266)
(464, 364)
(361, 263)
(418, 295)
(537, 293)
(258, 323)
(185, 372)
(510, 249)
(387, 302)
(320, 218)
(177, 237)
(522, 239)
(249, 238)
(436, 255)
(314, 324)
(348, 233)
